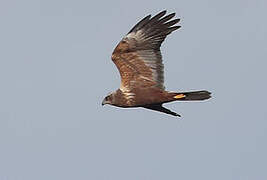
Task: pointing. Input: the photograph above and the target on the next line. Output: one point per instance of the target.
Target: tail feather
(192, 96)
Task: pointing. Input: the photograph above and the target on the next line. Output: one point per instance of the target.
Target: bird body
(139, 97)
(139, 61)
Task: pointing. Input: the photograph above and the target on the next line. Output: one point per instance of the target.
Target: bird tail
(192, 96)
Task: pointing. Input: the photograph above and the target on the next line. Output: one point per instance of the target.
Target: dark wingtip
(163, 11)
(178, 115)
(174, 114)
(156, 28)
(141, 23)
(172, 14)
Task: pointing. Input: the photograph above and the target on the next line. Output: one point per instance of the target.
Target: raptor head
(109, 99)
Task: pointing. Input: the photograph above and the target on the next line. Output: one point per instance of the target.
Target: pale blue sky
(55, 69)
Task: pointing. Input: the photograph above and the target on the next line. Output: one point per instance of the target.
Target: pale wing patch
(153, 60)
(139, 35)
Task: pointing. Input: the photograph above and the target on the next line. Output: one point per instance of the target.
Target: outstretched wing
(138, 57)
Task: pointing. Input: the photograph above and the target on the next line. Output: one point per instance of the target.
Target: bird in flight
(139, 61)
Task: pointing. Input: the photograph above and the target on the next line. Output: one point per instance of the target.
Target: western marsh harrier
(139, 61)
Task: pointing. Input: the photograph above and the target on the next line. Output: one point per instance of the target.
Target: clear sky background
(55, 69)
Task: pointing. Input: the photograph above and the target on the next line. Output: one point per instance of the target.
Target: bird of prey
(139, 61)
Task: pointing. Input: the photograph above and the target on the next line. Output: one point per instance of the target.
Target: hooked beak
(104, 102)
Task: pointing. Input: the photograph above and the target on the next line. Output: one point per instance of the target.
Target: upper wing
(138, 56)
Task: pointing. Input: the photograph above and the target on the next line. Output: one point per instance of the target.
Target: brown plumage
(139, 61)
